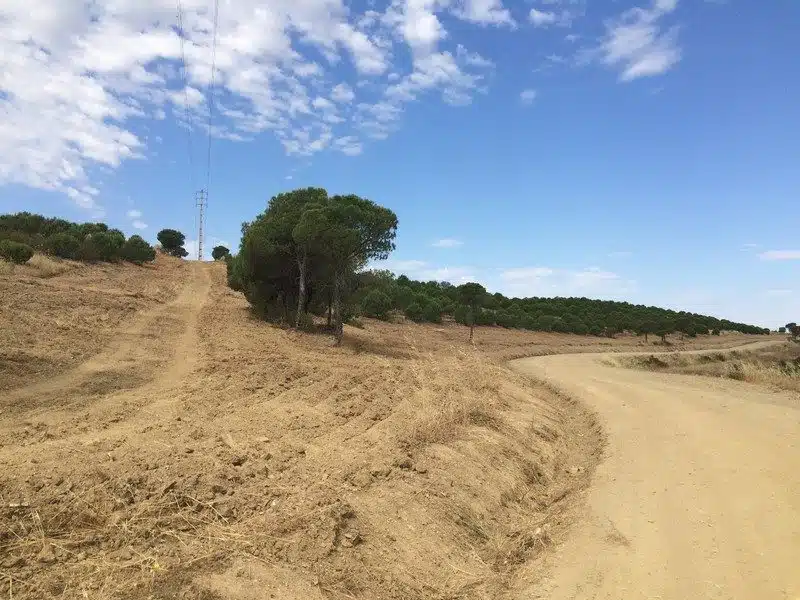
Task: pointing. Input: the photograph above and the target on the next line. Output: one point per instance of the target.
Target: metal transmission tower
(202, 204)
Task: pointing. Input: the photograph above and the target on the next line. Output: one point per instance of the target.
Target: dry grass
(405, 464)
(39, 266)
(775, 366)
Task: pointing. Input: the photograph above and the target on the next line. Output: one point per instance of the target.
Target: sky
(643, 151)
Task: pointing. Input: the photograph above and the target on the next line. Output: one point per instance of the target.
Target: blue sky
(644, 151)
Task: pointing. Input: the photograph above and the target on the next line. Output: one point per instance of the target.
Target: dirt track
(182, 449)
(698, 496)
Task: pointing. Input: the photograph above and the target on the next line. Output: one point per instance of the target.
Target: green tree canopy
(172, 242)
(219, 252)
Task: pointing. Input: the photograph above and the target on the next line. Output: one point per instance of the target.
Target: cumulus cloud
(137, 224)
(78, 78)
(637, 43)
(542, 18)
(134, 214)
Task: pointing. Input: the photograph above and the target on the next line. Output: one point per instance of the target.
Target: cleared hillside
(157, 440)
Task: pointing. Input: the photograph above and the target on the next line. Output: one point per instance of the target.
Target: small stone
(574, 470)
(420, 469)
(188, 450)
(238, 460)
(46, 556)
(403, 463)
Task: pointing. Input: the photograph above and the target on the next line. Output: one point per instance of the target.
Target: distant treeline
(378, 293)
(89, 242)
(307, 253)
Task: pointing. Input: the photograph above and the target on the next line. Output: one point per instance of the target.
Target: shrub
(376, 304)
(414, 312)
(234, 265)
(432, 312)
(137, 251)
(306, 322)
(63, 245)
(102, 246)
(462, 315)
(15, 252)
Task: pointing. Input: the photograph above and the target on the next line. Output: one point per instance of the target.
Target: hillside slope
(185, 448)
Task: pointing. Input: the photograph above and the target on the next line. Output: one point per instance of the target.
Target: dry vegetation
(777, 366)
(186, 450)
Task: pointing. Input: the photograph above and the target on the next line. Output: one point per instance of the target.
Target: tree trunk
(330, 308)
(471, 331)
(301, 289)
(645, 337)
(338, 327)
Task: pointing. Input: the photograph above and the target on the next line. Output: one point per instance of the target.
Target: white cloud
(134, 214)
(780, 255)
(485, 12)
(542, 18)
(77, 78)
(348, 145)
(545, 281)
(528, 96)
(342, 93)
(637, 44)
(447, 243)
(139, 224)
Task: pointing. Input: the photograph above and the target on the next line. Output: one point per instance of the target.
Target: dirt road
(699, 493)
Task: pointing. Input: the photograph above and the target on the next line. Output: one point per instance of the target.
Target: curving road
(698, 495)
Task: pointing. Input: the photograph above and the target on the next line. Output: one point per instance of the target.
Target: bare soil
(165, 444)
(156, 441)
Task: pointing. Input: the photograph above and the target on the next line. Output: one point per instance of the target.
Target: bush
(376, 304)
(432, 312)
(462, 315)
(137, 251)
(15, 252)
(414, 312)
(63, 245)
(306, 323)
(234, 265)
(102, 246)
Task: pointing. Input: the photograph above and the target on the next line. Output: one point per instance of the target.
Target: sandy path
(699, 493)
(148, 358)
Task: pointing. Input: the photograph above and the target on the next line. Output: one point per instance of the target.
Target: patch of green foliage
(90, 242)
(15, 252)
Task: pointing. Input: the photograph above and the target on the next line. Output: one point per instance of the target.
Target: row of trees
(23, 233)
(379, 293)
(26, 232)
(304, 252)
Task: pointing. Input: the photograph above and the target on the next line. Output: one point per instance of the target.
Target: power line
(210, 94)
(187, 112)
(202, 195)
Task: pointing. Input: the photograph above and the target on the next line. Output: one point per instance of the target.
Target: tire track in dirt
(152, 354)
